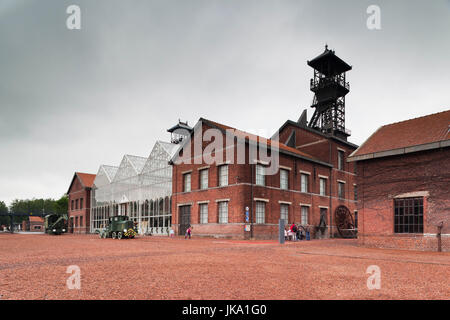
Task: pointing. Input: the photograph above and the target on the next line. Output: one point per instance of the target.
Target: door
(71, 225)
(185, 218)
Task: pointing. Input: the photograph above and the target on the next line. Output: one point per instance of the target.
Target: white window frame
(223, 212)
(304, 215)
(284, 215)
(204, 180)
(302, 184)
(284, 179)
(187, 178)
(260, 175)
(203, 208)
(260, 212)
(322, 186)
(223, 175)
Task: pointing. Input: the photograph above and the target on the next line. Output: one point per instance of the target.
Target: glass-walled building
(139, 187)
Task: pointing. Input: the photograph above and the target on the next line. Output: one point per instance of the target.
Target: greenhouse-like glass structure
(139, 188)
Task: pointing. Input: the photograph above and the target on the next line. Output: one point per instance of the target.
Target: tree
(35, 207)
(62, 205)
(3, 210)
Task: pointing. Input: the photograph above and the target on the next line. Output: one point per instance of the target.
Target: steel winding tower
(329, 87)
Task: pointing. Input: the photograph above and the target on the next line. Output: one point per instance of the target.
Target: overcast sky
(71, 100)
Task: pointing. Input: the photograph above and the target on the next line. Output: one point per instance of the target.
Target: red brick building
(79, 194)
(34, 224)
(312, 181)
(404, 184)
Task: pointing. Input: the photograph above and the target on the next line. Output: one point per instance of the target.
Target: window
(356, 219)
(340, 160)
(305, 212)
(260, 211)
(323, 186)
(341, 190)
(204, 179)
(284, 212)
(408, 215)
(76, 221)
(223, 175)
(355, 192)
(284, 179)
(76, 204)
(81, 203)
(71, 205)
(187, 182)
(260, 175)
(81, 221)
(304, 182)
(204, 213)
(223, 212)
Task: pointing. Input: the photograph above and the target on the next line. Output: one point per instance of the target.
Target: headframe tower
(329, 87)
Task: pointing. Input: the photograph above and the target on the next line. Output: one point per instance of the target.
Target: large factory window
(408, 215)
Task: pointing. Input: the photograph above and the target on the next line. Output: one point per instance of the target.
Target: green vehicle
(55, 224)
(119, 227)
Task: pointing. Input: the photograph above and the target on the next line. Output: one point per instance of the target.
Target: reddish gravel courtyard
(34, 267)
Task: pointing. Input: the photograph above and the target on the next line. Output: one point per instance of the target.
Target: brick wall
(239, 195)
(78, 192)
(382, 179)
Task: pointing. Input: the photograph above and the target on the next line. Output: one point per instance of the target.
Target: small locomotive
(119, 227)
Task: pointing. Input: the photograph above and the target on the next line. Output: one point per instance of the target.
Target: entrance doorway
(184, 218)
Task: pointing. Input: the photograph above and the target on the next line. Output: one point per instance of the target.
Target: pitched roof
(314, 131)
(36, 219)
(105, 175)
(255, 138)
(170, 148)
(87, 179)
(423, 133)
(137, 162)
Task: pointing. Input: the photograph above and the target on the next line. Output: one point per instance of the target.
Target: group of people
(296, 232)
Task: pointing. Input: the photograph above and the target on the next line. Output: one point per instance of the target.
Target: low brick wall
(405, 242)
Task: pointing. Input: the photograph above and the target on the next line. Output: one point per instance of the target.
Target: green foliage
(62, 205)
(3, 210)
(33, 207)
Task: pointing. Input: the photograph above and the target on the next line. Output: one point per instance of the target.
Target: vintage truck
(119, 227)
(55, 224)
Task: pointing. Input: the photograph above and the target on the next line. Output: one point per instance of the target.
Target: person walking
(188, 232)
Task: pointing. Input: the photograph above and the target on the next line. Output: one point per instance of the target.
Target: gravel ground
(34, 267)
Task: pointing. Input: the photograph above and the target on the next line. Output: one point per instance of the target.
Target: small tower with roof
(179, 132)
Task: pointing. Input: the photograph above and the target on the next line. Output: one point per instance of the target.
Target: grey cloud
(71, 100)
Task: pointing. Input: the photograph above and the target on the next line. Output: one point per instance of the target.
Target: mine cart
(119, 227)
